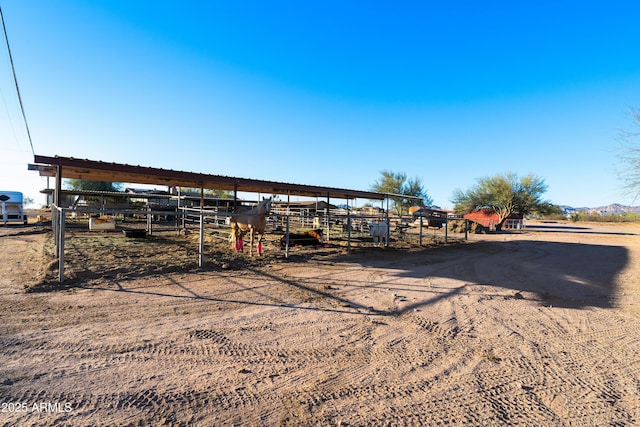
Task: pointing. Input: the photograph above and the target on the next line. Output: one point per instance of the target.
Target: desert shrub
(595, 217)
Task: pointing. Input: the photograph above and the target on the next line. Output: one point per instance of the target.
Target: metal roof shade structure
(70, 167)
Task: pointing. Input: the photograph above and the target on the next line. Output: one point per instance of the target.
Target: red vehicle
(488, 218)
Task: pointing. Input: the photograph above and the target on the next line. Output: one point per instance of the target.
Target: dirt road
(535, 328)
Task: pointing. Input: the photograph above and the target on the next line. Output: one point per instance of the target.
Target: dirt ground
(540, 327)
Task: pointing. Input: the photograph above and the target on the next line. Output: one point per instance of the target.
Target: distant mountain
(614, 209)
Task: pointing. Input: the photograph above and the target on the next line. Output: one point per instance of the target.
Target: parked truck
(12, 207)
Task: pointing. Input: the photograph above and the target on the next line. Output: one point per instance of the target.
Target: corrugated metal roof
(141, 194)
(118, 172)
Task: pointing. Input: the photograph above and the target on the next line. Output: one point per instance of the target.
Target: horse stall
(339, 227)
(118, 237)
(318, 214)
(318, 223)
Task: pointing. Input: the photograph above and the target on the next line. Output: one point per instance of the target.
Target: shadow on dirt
(559, 228)
(560, 274)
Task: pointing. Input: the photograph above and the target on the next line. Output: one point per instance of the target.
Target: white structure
(12, 210)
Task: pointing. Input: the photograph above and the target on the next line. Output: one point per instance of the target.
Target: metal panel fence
(345, 227)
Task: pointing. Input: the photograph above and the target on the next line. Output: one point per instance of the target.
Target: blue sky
(327, 93)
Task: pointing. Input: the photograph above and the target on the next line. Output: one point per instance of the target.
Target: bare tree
(629, 155)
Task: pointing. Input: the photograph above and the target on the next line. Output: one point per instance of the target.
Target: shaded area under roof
(117, 172)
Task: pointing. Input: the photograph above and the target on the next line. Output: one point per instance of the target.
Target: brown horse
(253, 221)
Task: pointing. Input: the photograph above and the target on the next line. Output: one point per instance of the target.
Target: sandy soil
(533, 328)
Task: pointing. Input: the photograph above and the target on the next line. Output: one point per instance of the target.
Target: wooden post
(420, 230)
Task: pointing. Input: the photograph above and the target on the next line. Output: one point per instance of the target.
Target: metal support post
(348, 229)
(446, 231)
(328, 218)
(61, 225)
(388, 221)
(201, 241)
(149, 221)
(55, 225)
(286, 247)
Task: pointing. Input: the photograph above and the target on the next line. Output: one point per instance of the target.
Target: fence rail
(336, 224)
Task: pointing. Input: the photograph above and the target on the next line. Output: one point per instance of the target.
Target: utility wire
(15, 79)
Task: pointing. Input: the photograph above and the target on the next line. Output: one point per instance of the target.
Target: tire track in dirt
(570, 367)
(526, 358)
(439, 351)
(399, 348)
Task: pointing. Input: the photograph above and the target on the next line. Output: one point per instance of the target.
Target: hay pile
(457, 226)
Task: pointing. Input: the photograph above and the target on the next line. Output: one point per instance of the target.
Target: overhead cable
(15, 79)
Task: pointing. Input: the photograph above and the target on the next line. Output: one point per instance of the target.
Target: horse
(379, 231)
(306, 238)
(252, 221)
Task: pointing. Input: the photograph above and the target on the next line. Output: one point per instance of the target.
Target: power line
(15, 79)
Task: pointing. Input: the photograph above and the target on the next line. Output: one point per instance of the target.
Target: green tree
(88, 185)
(630, 157)
(398, 184)
(505, 194)
(223, 194)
